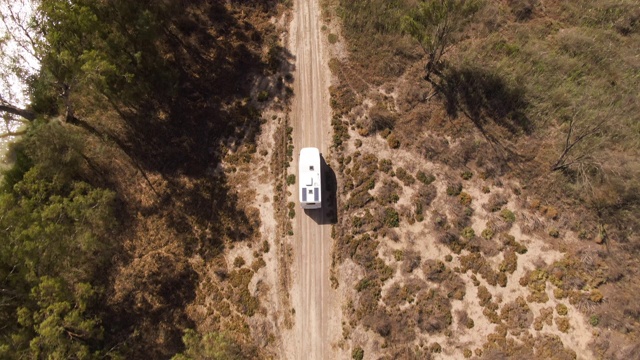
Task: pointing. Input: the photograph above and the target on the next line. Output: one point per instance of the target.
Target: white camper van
(310, 182)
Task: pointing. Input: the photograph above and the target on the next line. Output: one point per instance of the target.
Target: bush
(467, 175)
(487, 233)
(424, 178)
(405, 177)
(563, 324)
(238, 262)
(508, 216)
(561, 309)
(391, 218)
(357, 354)
(454, 189)
(393, 141)
(385, 165)
(291, 179)
(468, 233)
(465, 199)
(496, 202)
(333, 38)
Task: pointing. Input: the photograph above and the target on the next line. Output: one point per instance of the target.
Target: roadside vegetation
(520, 126)
(123, 200)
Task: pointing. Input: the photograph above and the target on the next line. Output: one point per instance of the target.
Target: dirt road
(317, 321)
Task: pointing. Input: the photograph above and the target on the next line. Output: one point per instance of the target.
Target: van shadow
(328, 214)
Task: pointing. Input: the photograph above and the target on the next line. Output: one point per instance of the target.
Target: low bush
(487, 233)
(405, 177)
(508, 216)
(393, 141)
(425, 178)
(238, 262)
(468, 233)
(465, 199)
(454, 189)
(496, 202)
(291, 179)
(391, 218)
(357, 353)
(562, 309)
(385, 165)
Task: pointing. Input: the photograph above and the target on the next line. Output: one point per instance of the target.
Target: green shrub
(553, 232)
(333, 38)
(357, 354)
(358, 143)
(292, 211)
(561, 309)
(424, 178)
(594, 320)
(468, 233)
(488, 233)
(508, 216)
(467, 175)
(391, 218)
(405, 177)
(291, 179)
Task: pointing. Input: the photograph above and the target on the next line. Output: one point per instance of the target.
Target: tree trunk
(24, 113)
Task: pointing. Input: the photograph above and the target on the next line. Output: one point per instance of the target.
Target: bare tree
(580, 147)
(434, 23)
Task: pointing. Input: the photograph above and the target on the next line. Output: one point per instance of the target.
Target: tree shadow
(496, 108)
(485, 98)
(328, 214)
(202, 109)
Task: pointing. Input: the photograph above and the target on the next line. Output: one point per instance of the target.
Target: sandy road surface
(317, 322)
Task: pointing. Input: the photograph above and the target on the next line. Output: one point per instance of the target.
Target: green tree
(212, 346)
(434, 24)
(55, 234)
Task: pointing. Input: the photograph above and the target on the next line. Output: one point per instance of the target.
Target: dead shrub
(411, 261)
(510, 262)
(516, 315)
(379, 119)
(388, 193)
(496, 202)
(452, 241)
(432, 311)
(433, 148)
(479, 265)
(435, 270)
(484, 295)
(464, 320)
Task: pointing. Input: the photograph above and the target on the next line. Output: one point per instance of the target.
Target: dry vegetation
(492, 210)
